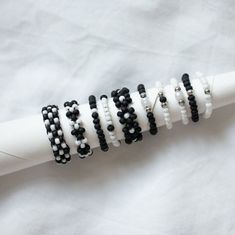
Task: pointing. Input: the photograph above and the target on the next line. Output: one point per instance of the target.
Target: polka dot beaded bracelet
(179, 96)
(127, 116)
(96, 120)
(55, 135)
(164, 105)
(148, 108)
(83, 148)
(191, 97)
(109, 122)
(208, 96)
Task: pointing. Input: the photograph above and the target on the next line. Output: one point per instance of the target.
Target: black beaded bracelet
(146, 104)
(55, 134)
(191, 97)
(83, 149)
(96, 120)
(127, 116)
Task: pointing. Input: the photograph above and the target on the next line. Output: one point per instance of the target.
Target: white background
(180, 182)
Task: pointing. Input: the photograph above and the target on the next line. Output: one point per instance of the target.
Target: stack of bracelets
(126, 115)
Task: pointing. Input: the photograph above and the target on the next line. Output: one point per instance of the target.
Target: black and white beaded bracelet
(148, 108)
(191, 97)
(127, 116)
(109, 121)
(96, 120)
(55, 134)
(78, 131)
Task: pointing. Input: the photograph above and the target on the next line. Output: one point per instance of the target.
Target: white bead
(61, 152)
(71, 109)
(71, 123)
(67, 156)
(56, 120)
(54, 147)
(122, 98)
(59, 132)
(64, 160)
(76, 126)
(54, 110)
(50, 136)
(84, 141)
(82, 145)
(94, 110)
(79, 121)
(132, 130)
(126, 115)
(64, 145)
(50, 115)
(77, 142)
(58, 158)
(44, 112)
(57, 141)
(47, 122)
(52, 127)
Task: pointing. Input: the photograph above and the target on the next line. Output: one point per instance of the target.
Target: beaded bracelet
(127, 116)
(110, 127)
(164, 105)
(208, 101)
(179, 95)
(96, 120)
(148, 108)
(55, 134)
(191, 97)
(83, 148)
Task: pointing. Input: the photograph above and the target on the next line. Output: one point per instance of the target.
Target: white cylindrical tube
(24, 142)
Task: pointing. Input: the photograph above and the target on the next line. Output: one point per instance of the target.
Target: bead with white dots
(208, 96)
(109, 122)
(179, 95)
(164, 105)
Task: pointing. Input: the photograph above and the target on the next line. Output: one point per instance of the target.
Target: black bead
(110, 128)
(163, 99)
(95, 115)
(103, 96)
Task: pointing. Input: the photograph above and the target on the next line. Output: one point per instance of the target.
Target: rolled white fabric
(31, 147)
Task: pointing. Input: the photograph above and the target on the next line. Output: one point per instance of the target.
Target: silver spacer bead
(164, 105)
(190, 92)
(207, 91)
(181, 102)
(160, 93)
(178, 88)
(148, 109)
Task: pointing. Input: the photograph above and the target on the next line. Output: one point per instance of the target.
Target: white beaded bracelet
(208, 96)
(164, 105)
(179, 96)
(109, 121)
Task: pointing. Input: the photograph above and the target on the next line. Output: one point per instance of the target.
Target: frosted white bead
(94, 110)
(44, 112)
(58, 158)
(50, 136)
(84, 141)
(61, 152)
(64, 160)
(56, 120)
(77, 142)
(71, 123)
(76, 126)
(54, 110)
(67, 156)
(79, 121)
(71, 109)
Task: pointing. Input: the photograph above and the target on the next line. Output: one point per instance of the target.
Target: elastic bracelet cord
(208, 96)
(127, 116)
(83, 148)
(179, 96)
(55, 134)
(191, 98)
(109, 122)
(164, 105)
(148, 108)
(96, 120)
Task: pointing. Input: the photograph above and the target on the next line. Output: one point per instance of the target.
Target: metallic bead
(190, 92)
(178, 88)
(207, 91)
(143, 95)
(148, 109)
(181, 102)
(160, 93)
(164, 105)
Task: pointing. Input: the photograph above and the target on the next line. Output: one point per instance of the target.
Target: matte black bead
(97, 126)
(153, 131)
(185, 77)
(140, 86)
(113, 93)
(92, 99)
(93, 106)
(188, 88)
(67, 103)
(191, 97)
